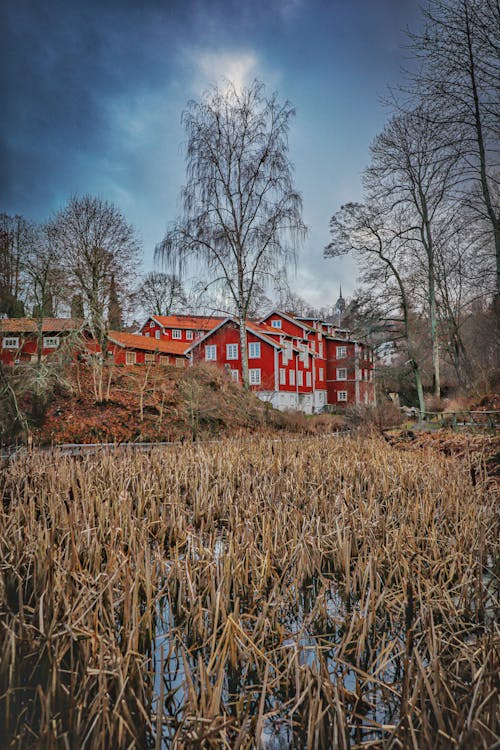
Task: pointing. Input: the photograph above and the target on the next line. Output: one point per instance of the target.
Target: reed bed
(314, 593)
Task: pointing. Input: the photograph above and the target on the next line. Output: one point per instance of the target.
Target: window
(152, 324)
(275, 323)
(254, 350)
(231, 351)
(199, 334)
(292, 377)
(341, 352)
(313, 346)
(179, 361)
(282, 376)
(11, 342)
(254, 377)
(308, 379)
(148, 335)
(341, 373)
(149, 358)
(320, 349)
(176, 334)
(341, 395)
(300, 378)
(157, 334)
(163, 360)
(130, 358)
(235, 375)
(189, 335)
(211, 353)
(321, 373)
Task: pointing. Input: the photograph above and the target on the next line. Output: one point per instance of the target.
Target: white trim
(10, 342)
(231, 351)
(254, 376)
(211, 349)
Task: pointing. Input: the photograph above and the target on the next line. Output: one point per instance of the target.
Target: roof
(197, 322)
(291, 319)
(31, 325)
(145, 343)
(254, 328)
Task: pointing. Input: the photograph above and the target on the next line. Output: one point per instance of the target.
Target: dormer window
(275, 323)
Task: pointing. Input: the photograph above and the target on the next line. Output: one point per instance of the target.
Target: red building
(294, 363)
(185, 328)
(133, 349)
(25, 339)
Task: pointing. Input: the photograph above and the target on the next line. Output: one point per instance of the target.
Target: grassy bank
(307, 593)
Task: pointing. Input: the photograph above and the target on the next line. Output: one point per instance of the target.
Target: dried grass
(312, 593)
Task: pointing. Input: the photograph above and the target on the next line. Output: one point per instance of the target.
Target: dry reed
(312, 593)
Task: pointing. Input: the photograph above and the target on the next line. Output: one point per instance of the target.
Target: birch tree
(242, 216)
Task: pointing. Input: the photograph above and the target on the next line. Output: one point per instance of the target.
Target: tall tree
(459, 81)
(377, 239)
(115, 317)
(413, 166)
(16, 234)
(242, 215)
(162, 294)
(95, 245)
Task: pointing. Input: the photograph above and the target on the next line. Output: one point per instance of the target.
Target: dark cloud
(93, 90)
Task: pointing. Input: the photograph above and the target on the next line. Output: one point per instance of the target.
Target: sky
(93, 92)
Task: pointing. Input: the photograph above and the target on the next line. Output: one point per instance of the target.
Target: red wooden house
(184, 328)
(133, 349)
(23, 340)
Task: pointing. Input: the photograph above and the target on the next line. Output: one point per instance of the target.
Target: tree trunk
(244, 352)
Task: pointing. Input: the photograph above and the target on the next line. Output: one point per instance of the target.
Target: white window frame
(254, 376)
(235, 376)
(254, 350)
(211, 353)
(130, 356)
(176, 333)
(179, 362)
(320, 348)
(321, 373)
(51, 342)
(300, 378)
(189, 335)
(292, 377)
(231, 351)
(308, 379)
(341, 352)
(158, 334)
(342, 396)
(147, 335)
(151, 324)
(275, 323)
(163, 360)
(282, 376)
(10, 342)
(341, 373)
(149, 358)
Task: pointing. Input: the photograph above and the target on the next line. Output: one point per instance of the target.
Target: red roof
(196, 322)
(31, 325)
(136, 341)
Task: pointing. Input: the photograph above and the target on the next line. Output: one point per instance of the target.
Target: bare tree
(16, 236)
(162, 294)
(382, 248)
(242, 216)
(459, 81)
(96, 244)
(413, 166)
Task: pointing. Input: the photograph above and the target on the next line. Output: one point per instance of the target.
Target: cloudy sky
(93, 92)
